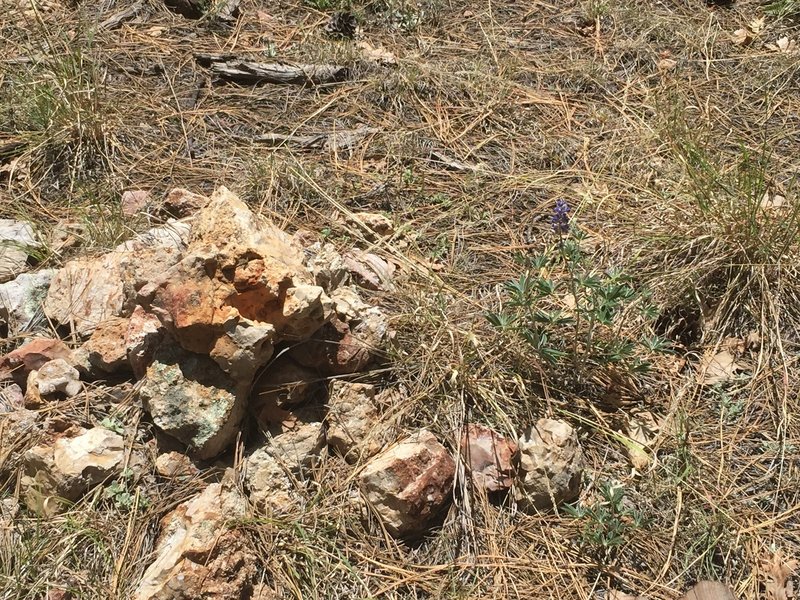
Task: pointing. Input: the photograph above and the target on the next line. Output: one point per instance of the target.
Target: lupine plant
(570, 311)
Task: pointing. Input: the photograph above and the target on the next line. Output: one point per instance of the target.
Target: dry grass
(528, 102)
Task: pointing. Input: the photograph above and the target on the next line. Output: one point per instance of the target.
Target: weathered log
(247, 72)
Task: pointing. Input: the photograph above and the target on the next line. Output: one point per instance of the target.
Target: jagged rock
(241, 288)
(133, 201)
(87, 291)
(328, 266)
(175, 464)
(333, 350)
(192, 400)
(409, 484)
(298, 445)
(268, 483)
(68, 467)
(31, 357)
(488, 456)
(17, 238)
(21, 301)
(16, 428)
(105, 352)
(56, 376)
(181, 203)
(196, 555)
(550, 465)
(353, 419)
(142, 338)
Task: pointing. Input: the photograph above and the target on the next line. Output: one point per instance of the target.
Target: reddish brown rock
(197, 555)
(105, 351)
(181, 203)
(409, 484)
(175, 464)
(488, 456)
(31, 357)
(333, 350)
(284, 383)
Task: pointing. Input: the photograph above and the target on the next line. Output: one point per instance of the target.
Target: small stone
(550, 465)
(11, 398)
(142, 339)
(175, 464)
(197, 555)
(409, 484)
(333, 350)
(181, 203)
(21, 301)
(133, 201)
(328, 266)
(58, 376)
(105, 350)
(31, 357)
(489, 457)
(17, 239)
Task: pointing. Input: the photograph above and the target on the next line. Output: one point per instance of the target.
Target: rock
(87, 291)
(173, 234)
(175, 464)
(709, 590)
(32, 398)
(16, 428)
(241, 288)
(284, 383)
(297, 447)
(409, 484)
(142, 339)
(197, 555)
(192, 400)
(11, 398)
(550, 465)
(352, 420)
(333, 350)
(376, 223)
(31, 357)
(17, 239)
(105, 352)
(488, 456)
(328, 267)
(133, 201)
(70, 466)
(181, 203)
(268, 483)
(21, 301)
(57, 376)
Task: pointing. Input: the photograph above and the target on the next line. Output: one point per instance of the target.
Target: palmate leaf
(502, 321)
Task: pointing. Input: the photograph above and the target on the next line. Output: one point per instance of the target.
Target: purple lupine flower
(560, 219)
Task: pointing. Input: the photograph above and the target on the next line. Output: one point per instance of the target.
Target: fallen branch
(246, 72)
(331, 141)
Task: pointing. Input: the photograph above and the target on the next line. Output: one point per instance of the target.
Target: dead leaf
(709, 590)
(379, 55)
(643, 428)
(784, 45)
(717, 369)
(617, 595)
(756, 25)
(779, 571)
(666, 64)
(741, 37)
